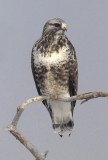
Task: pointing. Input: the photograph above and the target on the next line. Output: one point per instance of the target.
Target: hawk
(55, 71)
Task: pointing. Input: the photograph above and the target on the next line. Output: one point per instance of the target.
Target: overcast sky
(21, 23)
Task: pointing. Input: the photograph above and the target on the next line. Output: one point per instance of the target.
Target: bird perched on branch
(55, 71)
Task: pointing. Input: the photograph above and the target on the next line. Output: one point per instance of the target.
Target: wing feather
(37, 80)
(73, 73)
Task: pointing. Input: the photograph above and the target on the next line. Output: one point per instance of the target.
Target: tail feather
(61, 117)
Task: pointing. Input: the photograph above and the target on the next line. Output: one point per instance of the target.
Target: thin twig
(21, 108)
(13, 127)
(39, 156)
(13, 130)
(85, 96)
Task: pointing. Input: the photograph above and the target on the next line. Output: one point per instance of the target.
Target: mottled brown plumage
(55, 72)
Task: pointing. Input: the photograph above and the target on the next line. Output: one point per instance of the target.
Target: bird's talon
(56, 97)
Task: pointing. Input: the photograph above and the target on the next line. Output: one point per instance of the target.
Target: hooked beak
(64, 27)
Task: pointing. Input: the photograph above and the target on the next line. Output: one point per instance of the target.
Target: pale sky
(21, 24)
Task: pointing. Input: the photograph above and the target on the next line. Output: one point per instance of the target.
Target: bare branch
(13, 127)
(28, 145)
(13, 130)
(21, 108)
(85, 96)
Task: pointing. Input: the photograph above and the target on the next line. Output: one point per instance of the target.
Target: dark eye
(57, 25)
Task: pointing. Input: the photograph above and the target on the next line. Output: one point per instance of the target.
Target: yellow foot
(56, 97)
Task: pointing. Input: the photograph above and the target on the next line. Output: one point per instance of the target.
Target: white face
(56, 25)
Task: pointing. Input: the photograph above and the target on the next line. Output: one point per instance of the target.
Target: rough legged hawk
(55, 72)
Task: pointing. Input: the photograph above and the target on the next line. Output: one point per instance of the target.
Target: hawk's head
(55, 25)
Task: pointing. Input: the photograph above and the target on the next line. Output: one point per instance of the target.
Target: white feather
(61, 113)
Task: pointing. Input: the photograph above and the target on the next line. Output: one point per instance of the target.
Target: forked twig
(13, 130)
(13, 127)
